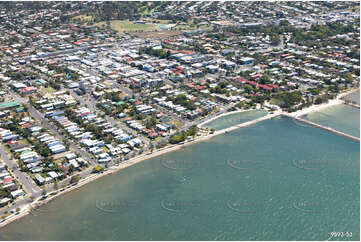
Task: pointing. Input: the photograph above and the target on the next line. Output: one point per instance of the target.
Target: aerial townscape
(90, 88)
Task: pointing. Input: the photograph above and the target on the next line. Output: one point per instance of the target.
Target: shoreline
(27, 208)
(226, 114)
(314, 108)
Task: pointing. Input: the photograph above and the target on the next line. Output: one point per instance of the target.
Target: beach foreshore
(338, 100)
(39, 202)
(225, 114)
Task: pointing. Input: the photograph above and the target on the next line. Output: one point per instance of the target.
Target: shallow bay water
(275, 180)
(341, 117)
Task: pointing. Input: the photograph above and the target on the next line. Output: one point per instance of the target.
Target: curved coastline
(29, 207)
(226, 114)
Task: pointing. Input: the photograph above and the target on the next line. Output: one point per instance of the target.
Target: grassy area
(148, 9)
(190, 26)
(275, 101)
(83, 17)
(177, 123)
(127, 26)
(60, 160)
(23, 142)
(159, 21)
(7, 149)
(45, 90)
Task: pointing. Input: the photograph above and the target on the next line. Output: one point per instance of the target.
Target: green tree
(348, 77)
(318, 100)
(151, 122)
(56, 187)
(74, 179)
(98, 169)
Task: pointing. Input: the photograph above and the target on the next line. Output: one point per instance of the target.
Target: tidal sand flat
(230, 120)
(343, 118)
(275, 180)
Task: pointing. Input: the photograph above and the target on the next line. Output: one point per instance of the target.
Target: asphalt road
(25, 180)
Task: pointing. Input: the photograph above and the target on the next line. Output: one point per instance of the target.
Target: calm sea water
(275, 180)
(343, 118)
(234, 119)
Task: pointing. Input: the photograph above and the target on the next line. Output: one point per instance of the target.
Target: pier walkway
(323, 127)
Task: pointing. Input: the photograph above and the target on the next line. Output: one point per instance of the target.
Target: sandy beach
(338, 100)
(225, 114)
(27, 209)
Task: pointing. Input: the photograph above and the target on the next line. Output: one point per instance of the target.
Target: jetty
(322, 127)
(352, 105)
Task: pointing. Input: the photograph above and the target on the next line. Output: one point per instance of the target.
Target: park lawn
(127, 26)
(275, 101)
